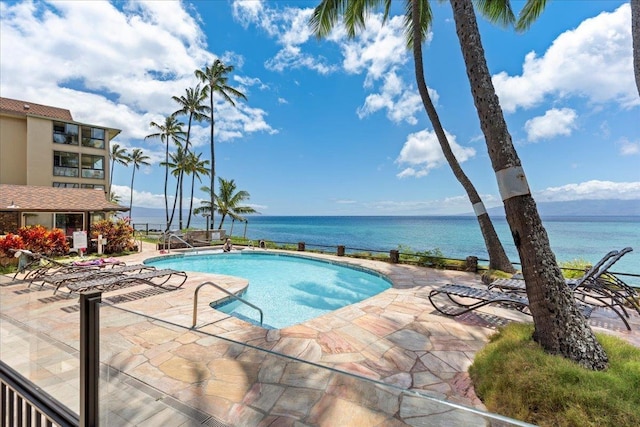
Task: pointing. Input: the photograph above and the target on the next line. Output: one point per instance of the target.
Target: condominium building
(42, 146)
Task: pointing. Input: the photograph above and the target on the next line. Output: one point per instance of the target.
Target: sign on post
(80, 241)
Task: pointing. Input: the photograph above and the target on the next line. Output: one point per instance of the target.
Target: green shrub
(119, 235)
(574, 269)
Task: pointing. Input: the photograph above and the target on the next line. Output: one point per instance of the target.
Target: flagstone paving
(175, 375)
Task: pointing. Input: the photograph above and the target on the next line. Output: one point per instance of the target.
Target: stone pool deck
(179, 376)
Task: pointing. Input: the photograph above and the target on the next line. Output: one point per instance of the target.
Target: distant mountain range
(610, 207)
(570, 208)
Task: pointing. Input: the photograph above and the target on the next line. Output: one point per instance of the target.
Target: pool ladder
(231, 294)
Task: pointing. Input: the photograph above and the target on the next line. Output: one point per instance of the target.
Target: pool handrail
(231, 294)
(166, 238)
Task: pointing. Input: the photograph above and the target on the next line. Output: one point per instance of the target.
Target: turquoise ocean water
(585, 238)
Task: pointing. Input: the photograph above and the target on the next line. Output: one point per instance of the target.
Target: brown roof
(31, 198)
(23, 108)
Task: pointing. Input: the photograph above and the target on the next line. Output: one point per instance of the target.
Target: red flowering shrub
(10, 241)
(119, 235)
(39, 239)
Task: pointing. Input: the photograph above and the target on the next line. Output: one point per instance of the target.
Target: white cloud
(91, 73)
(590, 190)
(554, 122)
(629, 148)
(421, 153)
(593, 61)
(401, 101)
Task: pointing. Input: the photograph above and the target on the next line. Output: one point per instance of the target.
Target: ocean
(572, 238)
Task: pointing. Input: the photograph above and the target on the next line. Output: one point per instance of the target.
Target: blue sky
(336, 127)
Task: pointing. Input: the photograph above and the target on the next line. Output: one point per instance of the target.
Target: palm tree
(192, 105)
(215, 80)
(195, 167)
(635, 33)
(137, 158)
(323, 21)
(560, 328)
(118, 155)
(227, 202)
(177, 164)
(171, 130)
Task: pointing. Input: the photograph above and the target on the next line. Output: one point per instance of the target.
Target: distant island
(612, 207)
(546, 209)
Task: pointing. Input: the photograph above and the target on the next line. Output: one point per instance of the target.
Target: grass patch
(514, 377)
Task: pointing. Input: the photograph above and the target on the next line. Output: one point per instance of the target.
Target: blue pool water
(289, 289)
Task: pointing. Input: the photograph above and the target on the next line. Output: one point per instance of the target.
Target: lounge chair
(598, 287)
(518, 284)
(110, 282)
(58, 280)
(477, 297)
(36, 265)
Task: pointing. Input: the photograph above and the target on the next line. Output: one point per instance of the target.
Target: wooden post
(472, 264)
(394, 255)
(340, 250)
(301, 246)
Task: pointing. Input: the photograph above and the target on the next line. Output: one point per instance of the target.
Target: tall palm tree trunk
(635, 34)
(133, 174)
(175, 201)
(166, 182)
(193, 182)
(213, 164)
(498, 259)
(560, 328)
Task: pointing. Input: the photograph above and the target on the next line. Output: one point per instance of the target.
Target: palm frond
(529, 13)
(496, 11)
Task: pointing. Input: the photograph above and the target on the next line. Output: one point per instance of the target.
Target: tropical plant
(560, 328)
(170, 131)
(118, 155)
(227, 202)
(119, 235)
(177, 164)
(8, 242)
(195, 167)
(215, 79)
(39, 239)
(137, 158)
(322, 22)
(192, 105)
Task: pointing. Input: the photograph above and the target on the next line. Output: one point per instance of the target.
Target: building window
(92, 137)
(65, 164)
(93, 186)
(65, 133)
(69, 222)
(92, 166)
(66, 185)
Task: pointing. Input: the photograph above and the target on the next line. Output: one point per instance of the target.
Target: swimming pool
(288, 288)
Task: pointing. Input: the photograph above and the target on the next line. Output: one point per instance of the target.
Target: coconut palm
(560, 328)
(635, 33)
(195, 167)
(227, 202)
(215, 80)
(137, 158)
(177, 165)
(118, 155)
(322, 22)
(192, 105)
(170, 131)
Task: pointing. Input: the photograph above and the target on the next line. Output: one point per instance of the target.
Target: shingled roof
(30, 198)
(15, 106)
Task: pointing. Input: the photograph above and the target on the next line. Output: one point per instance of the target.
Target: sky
(336, 126)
